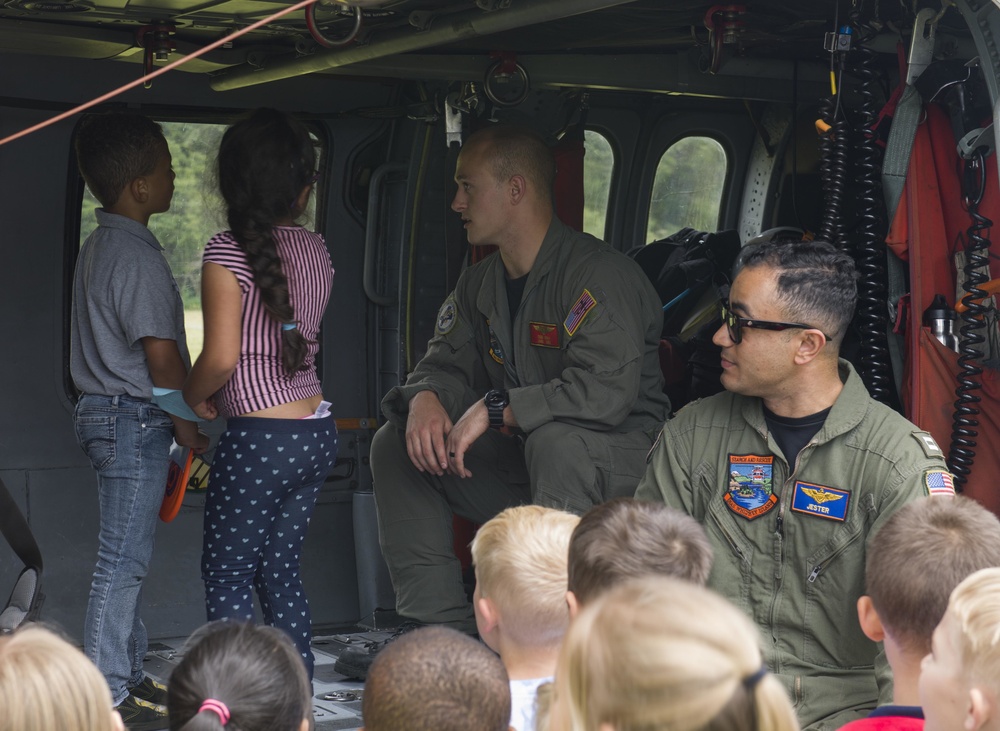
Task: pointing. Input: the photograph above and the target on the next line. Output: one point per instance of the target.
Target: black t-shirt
(515, 291)
(793, 434)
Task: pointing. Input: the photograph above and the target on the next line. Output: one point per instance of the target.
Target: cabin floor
(336, 699)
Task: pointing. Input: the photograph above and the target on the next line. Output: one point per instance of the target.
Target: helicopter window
(196, 214)
(688, 187)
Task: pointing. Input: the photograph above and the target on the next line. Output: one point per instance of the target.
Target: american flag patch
(578, 311)
(939, 483)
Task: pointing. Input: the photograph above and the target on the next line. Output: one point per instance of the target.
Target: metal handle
(371, 231)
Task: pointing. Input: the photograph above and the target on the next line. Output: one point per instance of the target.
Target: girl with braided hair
(265, 286)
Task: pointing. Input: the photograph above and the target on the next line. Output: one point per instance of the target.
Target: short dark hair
(626, 539)
(114, 149)
(816, 283)
(924, 550)
(514, 150)
(254, 670)
(436, 679)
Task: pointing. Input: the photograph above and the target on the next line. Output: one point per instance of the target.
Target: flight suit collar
(845, 414)
(492, 298)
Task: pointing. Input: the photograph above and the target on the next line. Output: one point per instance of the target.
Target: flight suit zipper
(728, 536)
(779, 552)
(818, 568)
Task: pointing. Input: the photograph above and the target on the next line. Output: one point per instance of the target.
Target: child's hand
(201, 443)
(206, 410)
(186, 434)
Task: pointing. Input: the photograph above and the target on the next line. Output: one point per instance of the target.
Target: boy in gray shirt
(127, 337)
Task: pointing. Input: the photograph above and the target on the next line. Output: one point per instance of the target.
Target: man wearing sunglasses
(791, 470)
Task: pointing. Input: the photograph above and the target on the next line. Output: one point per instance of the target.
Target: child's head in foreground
(924, 550)
(662, 654)
(48, 684)
(520, 560)
(436, 679)
(625, 539)
(960, 678)
(240, 675)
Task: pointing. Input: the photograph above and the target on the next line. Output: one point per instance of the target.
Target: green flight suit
(581, 366)
(790, 545)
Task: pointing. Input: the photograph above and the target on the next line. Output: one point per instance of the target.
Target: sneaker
(151, 691)
(354, 662)
(140, 715)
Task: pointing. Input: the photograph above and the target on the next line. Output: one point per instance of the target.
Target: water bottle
(940, 318)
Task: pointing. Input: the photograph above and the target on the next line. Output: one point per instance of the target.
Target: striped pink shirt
(260, 380)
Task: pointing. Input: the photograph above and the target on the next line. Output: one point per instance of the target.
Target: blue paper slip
(172, 401)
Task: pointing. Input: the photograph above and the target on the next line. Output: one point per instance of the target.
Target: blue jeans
(266, 476)
(128, 442)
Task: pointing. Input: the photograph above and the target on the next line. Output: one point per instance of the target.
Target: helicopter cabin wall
(40, 461)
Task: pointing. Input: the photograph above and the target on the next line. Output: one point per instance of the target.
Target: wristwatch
(496, 401)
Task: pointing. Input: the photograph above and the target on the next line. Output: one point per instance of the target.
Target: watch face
(496, 402)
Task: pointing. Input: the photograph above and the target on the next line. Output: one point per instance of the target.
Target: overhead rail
(147, 77)
(461, 26)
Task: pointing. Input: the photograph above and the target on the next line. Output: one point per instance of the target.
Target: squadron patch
(939, 483)
(447, 316)
(496, 352)
(750, 492)
(578, 312)
(544, 335)
(821, 501)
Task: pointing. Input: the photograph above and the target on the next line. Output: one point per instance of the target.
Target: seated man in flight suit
(791, 471)
(541, 382)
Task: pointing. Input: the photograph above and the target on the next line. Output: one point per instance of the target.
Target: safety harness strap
(17, 532)
(895, 164)
(896, 161)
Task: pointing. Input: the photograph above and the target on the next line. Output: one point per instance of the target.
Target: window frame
(616, 167)
(723, 191)
(76, 188)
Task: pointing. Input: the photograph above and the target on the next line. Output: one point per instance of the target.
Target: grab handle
(375, 187)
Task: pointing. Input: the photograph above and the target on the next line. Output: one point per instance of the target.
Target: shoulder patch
(927, 443)
(939, 483)
(447, 316)
(584, 304)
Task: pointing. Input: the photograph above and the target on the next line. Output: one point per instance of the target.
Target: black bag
(682, 268)
(25, 602)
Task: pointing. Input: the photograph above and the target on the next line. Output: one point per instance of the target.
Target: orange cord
(991, 288)
(146, 78)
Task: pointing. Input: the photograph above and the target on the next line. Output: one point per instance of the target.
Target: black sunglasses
(735, 324)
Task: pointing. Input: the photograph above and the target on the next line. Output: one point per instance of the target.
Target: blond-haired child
(663, 654)
(33, 662)
(520, 560)
(960, 678)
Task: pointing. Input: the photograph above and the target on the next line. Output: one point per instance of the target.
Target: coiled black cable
(965, 425)
(833, 170)
(872, 314)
